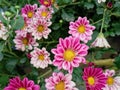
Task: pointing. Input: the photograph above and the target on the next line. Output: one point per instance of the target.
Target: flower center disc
(25, 41)
(21, 89)
(91, 81)
(41, 57)
(30, 14)
(69, 55)
(40, 28)
(60, 86)
(81, 29)
(44, 14)
(110, 81)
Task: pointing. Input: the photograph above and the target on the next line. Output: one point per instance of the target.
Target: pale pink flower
(82, 29)
(100, 41)
(94, 78)
(69, 53)
(18, 84)
(59, 81)
(40, 58)
(113, 83)
(40, 29)
(24, 41)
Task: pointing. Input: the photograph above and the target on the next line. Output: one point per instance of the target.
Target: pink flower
(28, 11)
(46, 3)
(59, 81)
(25, 84)
(24, 41)
(94, 78)
(82, 29)
(69, 53)
(113, 83)
(40, 29)
(40, 58)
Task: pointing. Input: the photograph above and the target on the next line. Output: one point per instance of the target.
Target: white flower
(100, 41)
(3, 31)
(99, 1)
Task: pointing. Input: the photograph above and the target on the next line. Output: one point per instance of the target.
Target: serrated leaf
(23, 60)
(117, 61)
(1, 56)
(89, 5)
(100, 10)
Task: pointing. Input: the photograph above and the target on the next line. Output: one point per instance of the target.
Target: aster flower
(46, 3)
(94, 78)
(3, 31)
(99, 1)
(28, 12)
(40, 58)
(24, 41)
(40, 29)
(18, 84)
(113, 83)
(69, 53)
(59, 81)
(100, 41)
(82, 29)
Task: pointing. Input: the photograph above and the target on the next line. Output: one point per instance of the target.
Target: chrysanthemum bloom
(100, 41)
(59, 81)
(99, 1)
(82, 29)
(28, 12)
(44, 13)
(113, 83)
(40, 29)
(40, 58)
(46, 3)
(18, 84)
(24, 41)
(3, 31)
(94, 78)
(69, 53)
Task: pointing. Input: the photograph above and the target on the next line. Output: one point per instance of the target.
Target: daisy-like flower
(24, 41)
(94, 78)
(40, 58)
(44, 12)
(100, 41)
(99, 1)
(82, 29)
(40, 29)
(28, 12)
(113, 83)
(59, 81)
(69, 53)
(18, 84)
(46, 3)
(3, 31)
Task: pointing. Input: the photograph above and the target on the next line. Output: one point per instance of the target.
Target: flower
(94, 78)
(18, 84)
(99, 1)
(109, 4)
(40, 58)
(100, 41)
(28, 12)
(82, 29)
(24, 41)
(40, 29)
(59, 81)
(3, 31)
(46, 3)
(69, 53)
(113, 83)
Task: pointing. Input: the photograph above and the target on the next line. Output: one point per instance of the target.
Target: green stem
(97, 21)
(75, 3)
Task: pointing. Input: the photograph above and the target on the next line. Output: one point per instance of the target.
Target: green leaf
(2, 18)
(1, 56)
(4, 79)
(23, 60)
(100, 10)
(117, 61)
(89, 5)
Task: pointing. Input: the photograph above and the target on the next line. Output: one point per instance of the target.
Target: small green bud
(61, 21)
(17, 7)
(7, 13)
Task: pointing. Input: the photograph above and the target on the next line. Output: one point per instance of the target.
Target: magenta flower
(40, 58)
(94, 78)
(18, 84)
(59, 81)
(82, 29)
(69, 53)
(46, 3)
(24, 41)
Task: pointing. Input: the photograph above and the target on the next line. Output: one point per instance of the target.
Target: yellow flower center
(40, 28)
(81, 29)
(25, 41)
(22, 89)
(30, 14)
(44, 14)
(60, 86)
(41, 57)
(91, 80)
(69, 55)
(46, 2)
(110, 81)
(52, 1)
